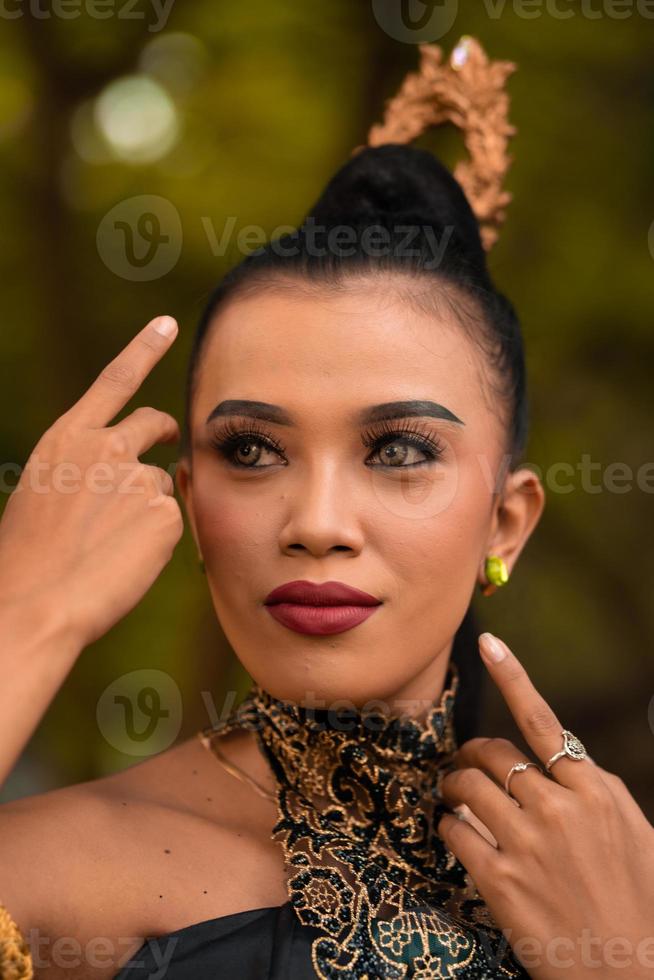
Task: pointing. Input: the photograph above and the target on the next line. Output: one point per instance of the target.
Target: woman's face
(408, 517)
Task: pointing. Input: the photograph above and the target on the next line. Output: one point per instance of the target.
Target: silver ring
(572, 747)
(517, 767)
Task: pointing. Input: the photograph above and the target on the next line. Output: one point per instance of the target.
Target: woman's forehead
(336, 344)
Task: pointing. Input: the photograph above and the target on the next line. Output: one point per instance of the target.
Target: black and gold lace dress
(373, 891)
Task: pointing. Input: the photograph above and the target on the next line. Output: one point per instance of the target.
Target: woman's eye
(405, 452)
(399, 450)
(248, 452)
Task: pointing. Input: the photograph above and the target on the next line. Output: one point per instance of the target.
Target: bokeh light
(177, 60)
(137, 118)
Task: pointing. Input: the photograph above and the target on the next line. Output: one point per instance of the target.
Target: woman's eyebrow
(251, 409)
(405, 410)
(375, 413)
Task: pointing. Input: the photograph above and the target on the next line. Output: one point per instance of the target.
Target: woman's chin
(320, 682)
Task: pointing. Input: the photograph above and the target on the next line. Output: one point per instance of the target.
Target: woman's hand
(88, 525)
(568, 874)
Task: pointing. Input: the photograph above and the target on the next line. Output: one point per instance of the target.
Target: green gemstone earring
(496, 573)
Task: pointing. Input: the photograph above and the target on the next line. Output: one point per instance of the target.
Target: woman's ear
(517, 513)
(184, 486)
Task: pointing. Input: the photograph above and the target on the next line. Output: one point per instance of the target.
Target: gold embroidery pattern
(15, 955)
(358, 797)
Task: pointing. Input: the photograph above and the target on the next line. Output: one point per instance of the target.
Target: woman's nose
(321, 514)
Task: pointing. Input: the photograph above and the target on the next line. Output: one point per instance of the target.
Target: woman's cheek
(414, 498)
(229, 531)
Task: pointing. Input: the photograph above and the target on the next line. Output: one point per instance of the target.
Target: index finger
(535, 718)
(124, 375)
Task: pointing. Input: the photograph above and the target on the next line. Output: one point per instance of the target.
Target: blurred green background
(237, 114)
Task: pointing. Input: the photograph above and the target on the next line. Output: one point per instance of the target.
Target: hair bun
(400, 184)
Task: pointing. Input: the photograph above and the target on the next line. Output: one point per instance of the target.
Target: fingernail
(491, 648)
(166, 326)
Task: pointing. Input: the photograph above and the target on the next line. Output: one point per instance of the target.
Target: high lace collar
(358, 799)
(394, 735)
(296, 735)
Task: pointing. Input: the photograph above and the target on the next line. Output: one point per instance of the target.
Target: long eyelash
(385, 432)
(229, 434)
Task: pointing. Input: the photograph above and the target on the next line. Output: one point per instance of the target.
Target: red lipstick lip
(304, 593)
(319, 620)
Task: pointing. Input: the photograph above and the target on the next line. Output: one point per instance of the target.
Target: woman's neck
(418, 695)
(413, 700)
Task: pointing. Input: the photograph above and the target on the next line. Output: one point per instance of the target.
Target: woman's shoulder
(104, 863)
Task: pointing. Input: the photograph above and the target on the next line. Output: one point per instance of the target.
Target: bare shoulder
(102, 864)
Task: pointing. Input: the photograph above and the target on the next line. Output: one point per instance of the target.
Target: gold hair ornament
(468, 91)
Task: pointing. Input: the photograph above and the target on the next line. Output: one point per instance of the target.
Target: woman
(356, 414)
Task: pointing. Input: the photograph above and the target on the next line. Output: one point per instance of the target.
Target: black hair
(396, 213)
